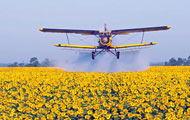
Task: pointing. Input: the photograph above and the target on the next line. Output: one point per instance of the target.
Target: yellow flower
(157, 118)
(148, 110)
(95, 115)
(140, 110)
(102, 118)
(125, 110)
(70, 112)
(114, 109)
(160, 92)
(122, 116)
(108, 116)
(87, 117)
(130, 115)
(90, 112)
(104, 111)
(105, 104)
(109, 90)
(148, 116)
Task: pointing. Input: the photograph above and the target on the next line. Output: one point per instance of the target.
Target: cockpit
(105, 34)
(105, 37)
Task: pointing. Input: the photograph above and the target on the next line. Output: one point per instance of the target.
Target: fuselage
(105, 39)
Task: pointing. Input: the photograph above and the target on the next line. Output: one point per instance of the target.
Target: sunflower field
(51, 93)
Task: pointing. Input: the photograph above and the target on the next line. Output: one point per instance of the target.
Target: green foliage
(46, 63)
(33, 63)
(15, 64)
(178, 62)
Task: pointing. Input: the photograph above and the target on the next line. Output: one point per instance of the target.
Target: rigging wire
(82, 39)
(68, 39)
(142, 37)
(134, 36)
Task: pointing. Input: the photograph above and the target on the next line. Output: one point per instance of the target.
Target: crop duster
(105, 39)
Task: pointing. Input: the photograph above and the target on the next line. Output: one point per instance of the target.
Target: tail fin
(105, 26)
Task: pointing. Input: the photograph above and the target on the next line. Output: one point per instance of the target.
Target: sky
(20, 21)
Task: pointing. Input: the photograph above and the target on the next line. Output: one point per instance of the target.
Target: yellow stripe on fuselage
(124, 33)
(86, 34)
(134, 45)
(75, 46)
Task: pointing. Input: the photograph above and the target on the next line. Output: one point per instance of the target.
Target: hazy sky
(20, 20)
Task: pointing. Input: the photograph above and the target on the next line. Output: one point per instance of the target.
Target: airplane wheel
(117, 54)
(93, 55)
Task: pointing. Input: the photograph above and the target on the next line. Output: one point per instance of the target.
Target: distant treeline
(47, 63)
(178, 62)
(33, 63)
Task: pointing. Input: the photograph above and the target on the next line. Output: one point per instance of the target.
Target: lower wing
(112, 47)
(75, 46)
(83, 48)
(133, 45)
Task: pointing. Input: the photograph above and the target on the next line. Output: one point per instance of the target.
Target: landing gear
(117, 54)
(93, 55)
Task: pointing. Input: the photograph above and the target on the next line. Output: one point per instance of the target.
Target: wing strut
(142, 37)
(114, 35)
(68, 38)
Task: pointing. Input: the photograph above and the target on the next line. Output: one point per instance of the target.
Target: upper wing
(75, 46)
(83, 32)
(134, 45)
(148, 29)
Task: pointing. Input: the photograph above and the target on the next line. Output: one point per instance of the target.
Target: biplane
(105, 39)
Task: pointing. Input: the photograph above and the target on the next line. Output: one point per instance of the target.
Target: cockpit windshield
(104, 34)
